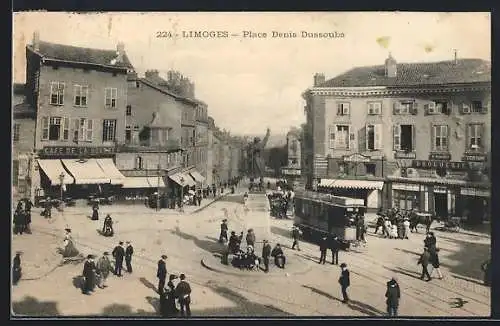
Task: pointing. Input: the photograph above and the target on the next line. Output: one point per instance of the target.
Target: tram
(318, 215)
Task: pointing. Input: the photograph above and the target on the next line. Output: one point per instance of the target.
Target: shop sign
(75, 150)
(421, 164)
(290, 171)
(405, 187)
(474, 157)
(474, 192)
(405, 155)
(357, 158)
(440, 190)
(440, 156)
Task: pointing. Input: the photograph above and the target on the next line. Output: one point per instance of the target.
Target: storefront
(369, 191)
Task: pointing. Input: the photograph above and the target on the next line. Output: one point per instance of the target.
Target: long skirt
(70, 250)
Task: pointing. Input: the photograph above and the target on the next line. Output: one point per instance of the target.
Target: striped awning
(183, 179)
(143, 182)
(197, 176)
(110, 169)
(356, 184)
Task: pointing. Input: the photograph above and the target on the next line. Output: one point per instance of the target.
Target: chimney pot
(36, 41)
(319, 79)
(455, 56)
(390, 67)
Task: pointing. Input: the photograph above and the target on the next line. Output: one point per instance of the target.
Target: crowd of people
(395, 223)
(22, 217)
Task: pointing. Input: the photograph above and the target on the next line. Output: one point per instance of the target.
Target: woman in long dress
(69, 246)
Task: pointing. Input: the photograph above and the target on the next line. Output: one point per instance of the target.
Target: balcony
(170, 145)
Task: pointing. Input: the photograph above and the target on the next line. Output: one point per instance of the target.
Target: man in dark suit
(344, 282)
(129, 251)
(89, 269)
(118, 254)
(323, 247)
(335, 247)
(161, 273)
(266, 252)
(183, 292)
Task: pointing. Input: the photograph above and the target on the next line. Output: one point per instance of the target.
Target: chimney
(455, 56)
(152, 73)
(319, 79)
(36, 41)
(390, 67)
(120, 51)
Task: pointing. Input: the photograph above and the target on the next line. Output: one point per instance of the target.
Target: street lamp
(61, 180)
(182, 194)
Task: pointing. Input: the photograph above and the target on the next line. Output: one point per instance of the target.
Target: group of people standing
(395, 228)
(22, 217)
(168, 295)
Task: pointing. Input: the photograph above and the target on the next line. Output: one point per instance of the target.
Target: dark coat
(323, 245)
(393, 293)
(277, 252)
(223, 227)
(424, 259)
(266, 251)
(88, 269)
(295, 234)
(334, 244)
(162, 269)
(118, 253)
(344, 279)
(434, 259)
(183, 290)
(129, 251)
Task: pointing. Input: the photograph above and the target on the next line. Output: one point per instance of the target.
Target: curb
(207, 205)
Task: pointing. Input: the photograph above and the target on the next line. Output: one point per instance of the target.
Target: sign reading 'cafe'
(75, 150)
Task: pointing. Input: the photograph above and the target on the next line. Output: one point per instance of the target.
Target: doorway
(441, 205)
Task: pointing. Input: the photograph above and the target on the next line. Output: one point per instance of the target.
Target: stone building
(410, 135)
(80, 96)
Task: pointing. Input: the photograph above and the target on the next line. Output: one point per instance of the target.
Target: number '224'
(162, 34)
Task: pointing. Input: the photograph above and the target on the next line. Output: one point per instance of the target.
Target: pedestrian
(161, 274)
(16, 268)
(430, 241)
(89, 269)
(279, 256)
(48, 208)
(183, 293)
(223, 231)
(118, 254)
(345, 282)
(392, 294)
(27, 225)
(266, 252)
(335, 247)
(107, 228)
(250, 238)
(434, 260)
(424, 261)
(387, 228)
(486, 268)
(167, 299)
(296, 233)
(103, 269)
(380, 222)
(406, 228)
(95, 211)
(129, 251)
(17, 221)
(323, 247)
(27, 205)
(199, 198)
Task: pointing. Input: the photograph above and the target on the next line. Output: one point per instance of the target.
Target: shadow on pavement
(155, 303)
(78, 282)
(232, 199)
(468, 257)
(210, 246)
(364, 308)
(281, 232)
(147, 284)
(30, 306)
(408, 251)
(120, 310)
(315, 290)
(244, 306)
(407, 272)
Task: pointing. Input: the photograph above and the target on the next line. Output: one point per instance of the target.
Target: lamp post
(182, 194)
(61, 180)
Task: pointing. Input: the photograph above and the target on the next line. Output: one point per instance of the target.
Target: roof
(70, 53)
(163, 84)
(416, 74)
(151, 82)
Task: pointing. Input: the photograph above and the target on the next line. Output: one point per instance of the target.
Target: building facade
(80, 98)
(201, 141)
(403, 135)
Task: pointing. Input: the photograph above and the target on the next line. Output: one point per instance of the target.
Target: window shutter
(433, 137)
(65, 129)
(45, 128)
(347, 109)
(484, 109)
(465, 108)
(378, 136)
(366, 138)
(413, 138)
(339, 109)
(432, 108)
(90, 131)
(332, 138)
(414, 108)
(447, 137)
(396, 108)
(468, 134)
(61, 93)
(396, 135)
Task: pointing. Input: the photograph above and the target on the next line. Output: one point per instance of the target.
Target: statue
(254, 155)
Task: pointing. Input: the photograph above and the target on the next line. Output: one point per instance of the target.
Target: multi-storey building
(423, 128)
(211, 155)
(201, 141)
(80, 98)
(23, 135)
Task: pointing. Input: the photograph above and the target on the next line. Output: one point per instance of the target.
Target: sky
(250, 84)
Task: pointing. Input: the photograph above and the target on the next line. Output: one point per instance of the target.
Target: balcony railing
(144, 146)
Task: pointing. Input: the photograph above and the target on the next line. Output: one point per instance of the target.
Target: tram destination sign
(421, 164)
(76, 150)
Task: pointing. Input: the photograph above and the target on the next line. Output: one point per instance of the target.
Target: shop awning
(355, 184)
(111, 171)
(182, 179)
(142, 182)
(197, 176)
(53, 170)
(86, 171)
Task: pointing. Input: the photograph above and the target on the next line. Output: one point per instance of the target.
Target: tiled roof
(79, 54)
(416, 74)
(159, 84)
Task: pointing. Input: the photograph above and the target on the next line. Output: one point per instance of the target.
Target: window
(343, 108)
(15, 172)
(138, 163)
(110, 96)
(440, 135)
(81, 94)
(128, 112)
(128, 134)
(108, 130)
(370, 168)
(475, 133)
(15, 132)
(85, 129)
(477, 106)
(57, 93)
(54, 128)
(137, 84)
(341, 137)
(404, 107)
(437, 107)
(373, 137)
(193, 138)
(165, 134)
(404, 138)
(374, 108)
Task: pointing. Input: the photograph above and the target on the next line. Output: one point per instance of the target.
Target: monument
(255, 157)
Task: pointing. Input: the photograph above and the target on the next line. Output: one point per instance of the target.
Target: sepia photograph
(251, 164)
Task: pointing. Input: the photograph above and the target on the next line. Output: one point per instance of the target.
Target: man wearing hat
(129, 251)
(161, 273)
(295, 235)
(266, 253)
(223, 231)
(183, 292)
(118, 254)
(344, 282)
(89, 269)
(323, 247)
(103, 269)
(392, 294)
(16, 268)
